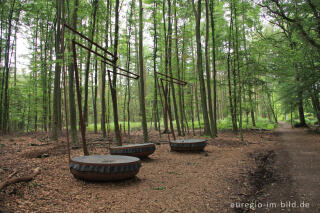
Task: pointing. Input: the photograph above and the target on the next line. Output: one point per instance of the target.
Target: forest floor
(228, 173)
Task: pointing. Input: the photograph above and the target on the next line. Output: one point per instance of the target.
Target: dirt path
(303, 152)
(296, 173)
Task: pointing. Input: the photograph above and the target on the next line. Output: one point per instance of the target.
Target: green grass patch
(159, 188)
(261, 123)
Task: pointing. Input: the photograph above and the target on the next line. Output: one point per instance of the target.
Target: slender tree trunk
(182, 91)
(197, 15)
(251, 108)
(300, 98)
(165, 114)
(114, 80)
(155, 49)
(95, 94)
(232, 111)
(5, 115)
(175, 107)
(45, 77)
(50, 85)
(142, 93)
(214, 128)
(192, 111)
(72, 102)
(35, 78)
(208, 74)
(315, 104)
(29, 107)
(86, 79)
(132, 6)
(238, 72)
(178, 72)
(56, 92)
(103, 78)
(197, 106)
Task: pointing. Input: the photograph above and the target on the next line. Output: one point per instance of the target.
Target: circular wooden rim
(191, 141)
(107, 164)
(133, 146)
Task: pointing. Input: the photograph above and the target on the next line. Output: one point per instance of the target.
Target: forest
(246, 63)
(145, 70)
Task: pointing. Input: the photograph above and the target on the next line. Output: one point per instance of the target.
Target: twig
(11, 180)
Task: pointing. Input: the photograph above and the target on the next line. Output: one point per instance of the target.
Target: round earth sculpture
(188, 145)
(104, 167)
(137, 150)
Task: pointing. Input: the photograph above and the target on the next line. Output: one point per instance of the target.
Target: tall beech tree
(141, 72)
(113, 84)
(197, 15)
(57, 90)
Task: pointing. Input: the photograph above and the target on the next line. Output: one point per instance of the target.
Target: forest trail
(298, 170)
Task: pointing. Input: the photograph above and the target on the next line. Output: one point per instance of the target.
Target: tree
(57, 90)
(72, 105)
(197, 15)
(208, 74)
(175, 107)
(86, 79)
(141, 71)
(114, 79)
(214, 128)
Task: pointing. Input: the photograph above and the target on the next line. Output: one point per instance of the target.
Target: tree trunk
(103, 78)
(165, 114)
(72, 104)
(35, 78)
(132, 6)
(214, 128)
(208, 74)
(56, 90)
(141, 71)
(300, 98)
(5, 115)
(178, 71)
(155, 49)
(232, 111)
(86, 79)
(95, 93)
(175, 107)
(315, 104)
(114, 80)
(197, 15)
(238, 72)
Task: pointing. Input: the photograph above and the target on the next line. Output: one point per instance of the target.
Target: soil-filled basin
(137, 150)
(188, 145)
(104, 167)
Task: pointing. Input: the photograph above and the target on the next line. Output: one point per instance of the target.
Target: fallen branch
(10, 180)
(42, 144)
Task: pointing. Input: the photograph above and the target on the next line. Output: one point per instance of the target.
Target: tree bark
(197, 15)
(5, 115)
(208, 74)
(141, 71)
(103, 78)
(165, 114)
(114, 80)
(72, 104)
(155, 50)
(86, 79)
(56, 90)
(178, 70)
